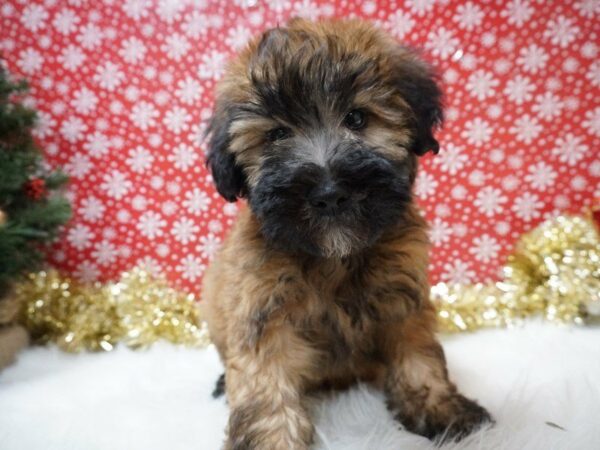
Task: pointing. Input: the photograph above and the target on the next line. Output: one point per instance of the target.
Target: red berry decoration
(36, 188)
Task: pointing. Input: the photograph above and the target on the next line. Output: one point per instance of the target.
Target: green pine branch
(29, 223)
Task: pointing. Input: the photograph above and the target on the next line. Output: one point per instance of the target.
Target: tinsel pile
(554, 271)
(137, 310)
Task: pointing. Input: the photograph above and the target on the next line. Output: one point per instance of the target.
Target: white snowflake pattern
(140, 159)
(175, 46)
(212, 64)
(80, 236)
(151, 224)
(519, 89)
(196, 25)
(183, 157)
(526, 128)
(105, 253)
(421, 7)
(196, 201)
(518, 12)
(439, 231)
(527, 206)
(468, 16)
(116, 184)
(238, 37)
(108, 76)
(44, 125)
(215, 226)
(457, 271)
(189, 90)
(71, 57)
(541, 176)
(481, 84)
(425, 184)
(578, 183)
(485, 248)
(92, 209)
(588, 8)
(184, 230)
(97, 144)
(592, 121)
(451, 159)
(65, 21)
(177, 119)
(73, 129)
(143, 115)
(209, 245)
(548, 105)
(400, 23)
(84, 101)
(133, 50)
(139, 203)
(30, 60)
(442, 42)
(79, 165)
(589, 50)
(477, 131)
(459, 192)
(593, 74)
(168, 10)
(136, 9)
(489, 200)
(533, 58)
(151, 265)
(34, 17)
(87, 272)
(561, 31)
(477, 178)
(191, 268)
(90, 36)
(569, 149)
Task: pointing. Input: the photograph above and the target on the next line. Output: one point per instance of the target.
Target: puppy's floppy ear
(229, 177)
(417, 84)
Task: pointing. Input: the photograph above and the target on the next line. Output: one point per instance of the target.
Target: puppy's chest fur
(336, 307)
(338, 316)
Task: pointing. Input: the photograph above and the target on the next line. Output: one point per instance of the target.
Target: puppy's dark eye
(277, 134)
(355, 119)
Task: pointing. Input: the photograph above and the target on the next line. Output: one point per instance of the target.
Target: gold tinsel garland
(554, 271)
(137, 310)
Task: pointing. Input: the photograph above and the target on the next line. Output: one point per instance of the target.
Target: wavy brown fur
(297, 305)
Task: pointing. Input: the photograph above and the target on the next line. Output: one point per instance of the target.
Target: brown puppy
(323, 280)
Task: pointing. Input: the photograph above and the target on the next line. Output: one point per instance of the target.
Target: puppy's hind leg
(417, 387)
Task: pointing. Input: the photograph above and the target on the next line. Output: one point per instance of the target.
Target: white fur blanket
(541, 382)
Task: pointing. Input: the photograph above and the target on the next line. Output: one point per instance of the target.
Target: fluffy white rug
(541, 382)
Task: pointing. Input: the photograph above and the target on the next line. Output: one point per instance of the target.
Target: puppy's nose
(329, 198)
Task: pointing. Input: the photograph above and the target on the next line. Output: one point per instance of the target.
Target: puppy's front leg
(417, 387)
(264, 389)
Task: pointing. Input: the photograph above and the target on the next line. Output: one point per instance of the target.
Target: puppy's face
(319, 126)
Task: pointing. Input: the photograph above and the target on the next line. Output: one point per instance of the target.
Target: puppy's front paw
(452, 418)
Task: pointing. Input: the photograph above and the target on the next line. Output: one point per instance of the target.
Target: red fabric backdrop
(124, 87)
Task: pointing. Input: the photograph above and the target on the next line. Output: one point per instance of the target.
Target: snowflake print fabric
(124, 89)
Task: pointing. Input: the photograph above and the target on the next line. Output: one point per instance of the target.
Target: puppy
(323, 279)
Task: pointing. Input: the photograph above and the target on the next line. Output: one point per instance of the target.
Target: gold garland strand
(137, 310)
(554, 271)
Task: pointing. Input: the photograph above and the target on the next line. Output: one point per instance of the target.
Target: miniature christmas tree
(30, 212)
